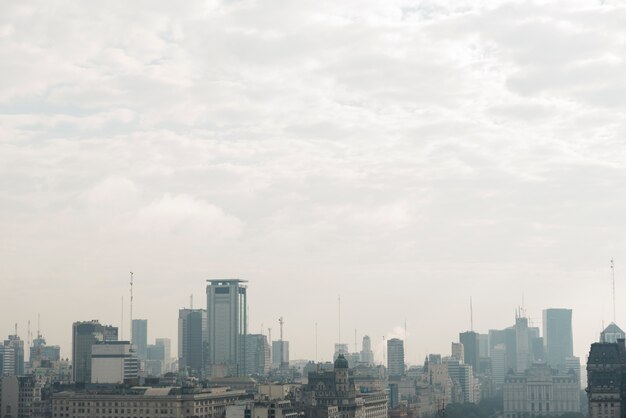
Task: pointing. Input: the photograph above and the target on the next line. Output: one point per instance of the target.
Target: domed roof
(341, 362)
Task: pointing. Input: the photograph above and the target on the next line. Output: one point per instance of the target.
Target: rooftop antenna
(16, 329)
(384, 347)
(339, 312)
(269, 331)
(28, 335)
(191, 301)
(613, 276)
(122, 326)
(472, 315)
(281, 322)
(38, 325)
(131, 305)
(356, 350)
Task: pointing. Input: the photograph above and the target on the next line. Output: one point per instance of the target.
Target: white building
(458, 352)
(113, 362)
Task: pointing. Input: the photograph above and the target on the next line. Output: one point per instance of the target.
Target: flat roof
(226, 281)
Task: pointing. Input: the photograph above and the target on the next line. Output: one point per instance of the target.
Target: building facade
(257, 355)
(395, 358)
(557, 336)
(192, 339)
(280, 354)
(139, 337)
(471, 351)
(227, 310)
(84, 336)
(606, 378)
(540, 391)
(367, 355)
(113, 362)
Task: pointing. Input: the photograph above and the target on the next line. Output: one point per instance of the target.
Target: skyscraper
(139, 337)
(557, 336)
(280, 354)
(457, 352)
(84, 336)
(257, 354)
(367, 355)
(471, 351)
(522, 343)
(12, 358)
(395, 358)
(191, 340)
(227, 311)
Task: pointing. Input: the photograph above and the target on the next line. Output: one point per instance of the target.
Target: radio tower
(281, 322)
(613, 277)
(131, 305)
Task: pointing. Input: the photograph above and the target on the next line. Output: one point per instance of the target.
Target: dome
(341, 362)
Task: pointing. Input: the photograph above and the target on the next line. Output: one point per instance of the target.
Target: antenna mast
(316, 342)
(38, 325)
(131, 305)
(339, 315)
(191, 301)
(613, 276)
(471, 315)
(122, 326)
(281, 322)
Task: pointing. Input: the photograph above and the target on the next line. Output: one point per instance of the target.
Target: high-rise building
(471, 351)
(498, 365)
(457, 352)
(611, 334)
(606, 374)
(557, 336)
(395, 358)
(227, 310)
(12, 359)
(483, 345)
(192, 336)
(340, 348)
(280, 354)
(166, 343)
(113, 362)
(258, 354)
(84, 336)
(522, 344)
(155, 361)
(367, 355)
(139, 337)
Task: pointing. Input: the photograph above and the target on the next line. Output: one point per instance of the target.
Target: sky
(406, 155)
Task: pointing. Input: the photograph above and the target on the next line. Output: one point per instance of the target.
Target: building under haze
(471, 352)
(557, 336)
(367, 355)
(395, 358)
(612, 333)
(84, 336)
(12, 356)
(191, 340)
(113, 362)
(257, 355)
(227, 310)
(606, 374)
(280, 354)
(139, 337)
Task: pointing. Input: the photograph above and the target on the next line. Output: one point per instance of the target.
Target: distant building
(471, 351)
(262, 409)
(612, 333)
(606, 372)
(332, 394)
(113, 362)
(367, 355)
(280, 354)
(84, 336)
(434, 359)
(192, 337)
(12, 356)
(166, 343)
(522, 343)
(171, 402)
(540, 391)
(139, 337)
(557, 336)
(23, 397)
(227, 311)
(340, 348)
(483, 345)
(155, 361)
(395, 358)
(41, 353)
(257, 355)
(457, 351)
(498, 366)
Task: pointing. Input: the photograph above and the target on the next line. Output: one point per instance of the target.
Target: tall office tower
(498, 365)
(155, 361)
(192, 336)
(483, 345)
(537, 350)
(557, 336)
(113, 362)
(227, 310)
(367, 355)
(139, 337)
(84, 335)
(611, 334)
(457, 351)
(522, 344)
(470, 343)
(167, 352)
(12, 356)
(257, 355)
(510, 338)
(395, 358)
(280, 354)
(606, 367)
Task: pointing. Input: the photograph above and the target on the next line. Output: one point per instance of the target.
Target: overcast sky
(403, 154)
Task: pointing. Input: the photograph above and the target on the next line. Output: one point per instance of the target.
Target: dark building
(606, 380)
(191, 340)
(84, 335)
(470, 343)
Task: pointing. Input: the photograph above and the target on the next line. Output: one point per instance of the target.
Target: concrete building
(139, 337)
(498, 366)
(557, 336)
(143, 402)
(340, 348)
(540, 391)
(263, 409)
(332, 393)
(483, 345)
(192, 339)
(84, 336)
(166, 343)
(155, 363)
(113, 362)
(573, 364)
(227, 309)
(257, 355)
(18, 396)
(522, 343)
(457, 351)
(606, 372)
(12, 356)
(367, 355)
(471, 351)
(280, 354)
(395, 358)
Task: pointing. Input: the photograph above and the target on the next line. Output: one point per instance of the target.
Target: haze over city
(404, 155)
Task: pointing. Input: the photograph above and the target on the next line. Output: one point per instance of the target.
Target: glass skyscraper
(557, 336)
